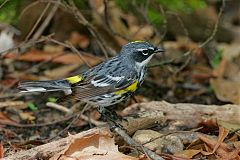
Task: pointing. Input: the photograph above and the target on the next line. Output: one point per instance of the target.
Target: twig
(165, 22)
(131, 142)
(143, 11)
(78, 53)
(71, 123)
(32, 43)
(38, 20)
(96, 123)
(189, 58)
(70, 46)
(67, 111)
(58, 107)
(234, 131)
(201, 45)
(170, 60)
(74, 49)
(82, 20)
(33, 67)
(106, 16)
(46, 21)
(24, 45)
(41, 124)
(215, 26)
(3, 3)
(179, 19)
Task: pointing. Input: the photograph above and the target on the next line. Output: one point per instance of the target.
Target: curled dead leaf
(188, 153)
(93, 146)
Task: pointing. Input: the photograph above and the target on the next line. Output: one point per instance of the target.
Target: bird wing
(100, 84)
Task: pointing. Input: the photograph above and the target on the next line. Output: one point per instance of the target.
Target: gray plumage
(107, 83)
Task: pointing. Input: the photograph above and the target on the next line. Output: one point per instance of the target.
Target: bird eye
(151, 50)
(145, 52)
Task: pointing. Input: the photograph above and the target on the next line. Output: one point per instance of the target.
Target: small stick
(131, 142)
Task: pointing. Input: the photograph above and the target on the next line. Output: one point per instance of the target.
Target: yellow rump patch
(130, 88)
(74, 79)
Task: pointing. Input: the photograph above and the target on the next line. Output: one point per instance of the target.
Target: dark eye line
(145, 51)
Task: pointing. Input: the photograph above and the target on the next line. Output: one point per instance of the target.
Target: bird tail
(45, 86)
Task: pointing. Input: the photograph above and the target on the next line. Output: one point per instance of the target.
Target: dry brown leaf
(61, 71)
(236, 144)
(16, 104)
(211, 143)
(1, 150)
(72, 58)
(227, 84)
(27, 116)
(5, 120)
(188, 153)
(95, 146)
(201, 73)
(234, 155)
(221, 69)
(55, 57)
(228, 125)
(232, 71)
(230, 51)
(34, 55)
(77, 39)
(222, 135)
(226, 90)
(141, 32)
(53, 48)
(216, 146)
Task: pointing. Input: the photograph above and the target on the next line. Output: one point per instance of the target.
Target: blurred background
(44, 40)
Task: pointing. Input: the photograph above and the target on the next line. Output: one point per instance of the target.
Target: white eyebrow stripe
(141, 49)
(151, 48)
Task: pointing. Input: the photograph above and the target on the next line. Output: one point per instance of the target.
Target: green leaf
(210, 89)
(196, 4)
(8, 11)
(155, 17)
(52, 99)
(32, 106)
(215, 61)
(122, 4)
(182, 5)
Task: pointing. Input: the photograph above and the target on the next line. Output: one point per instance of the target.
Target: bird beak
(157, 50)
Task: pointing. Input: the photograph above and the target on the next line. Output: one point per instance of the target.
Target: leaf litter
(172, 135)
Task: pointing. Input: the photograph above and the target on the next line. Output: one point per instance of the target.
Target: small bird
(107, 83)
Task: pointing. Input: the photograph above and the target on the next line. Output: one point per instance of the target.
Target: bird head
(140, 52)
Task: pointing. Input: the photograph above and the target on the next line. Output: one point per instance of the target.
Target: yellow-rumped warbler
(107, 83)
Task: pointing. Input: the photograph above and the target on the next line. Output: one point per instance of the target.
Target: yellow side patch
(74, 79)
(130, 88)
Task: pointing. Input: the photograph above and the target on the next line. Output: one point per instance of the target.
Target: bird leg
(109, 116)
